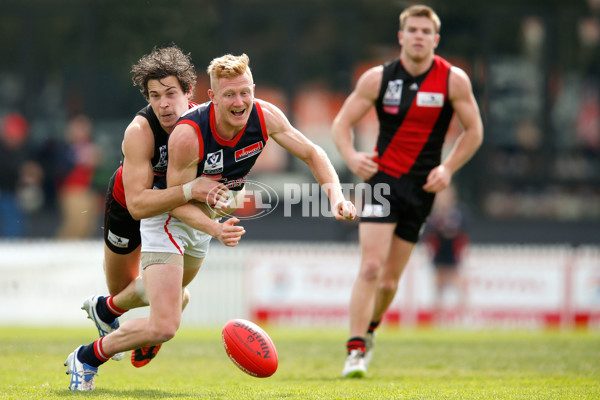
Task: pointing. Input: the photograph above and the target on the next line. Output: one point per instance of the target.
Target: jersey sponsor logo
(248, 151)
(414, 86)
(117, 241)
(429, 99)
(161, 165)
(393, 96)
(214, 163)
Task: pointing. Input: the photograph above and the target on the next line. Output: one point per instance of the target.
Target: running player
(415, 97)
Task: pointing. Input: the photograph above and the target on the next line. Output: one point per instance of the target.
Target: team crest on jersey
(429, 99)
(248, 151)
(161, 165)
(393, 96)
(214, 163)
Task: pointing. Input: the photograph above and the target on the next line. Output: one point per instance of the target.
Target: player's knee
(370, 269)
(388, 286)
(164, 332)
(167, 334)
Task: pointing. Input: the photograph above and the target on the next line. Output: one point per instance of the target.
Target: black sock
(88, 356)
(104, 312)
(373, 325)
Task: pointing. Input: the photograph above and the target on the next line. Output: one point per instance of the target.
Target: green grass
(418, 364)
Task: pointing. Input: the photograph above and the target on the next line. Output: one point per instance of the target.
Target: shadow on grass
(131, 394)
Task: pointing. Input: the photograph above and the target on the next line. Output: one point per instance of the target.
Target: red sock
(99, 351)
(355, 343)
(92, 354)
(110, 303)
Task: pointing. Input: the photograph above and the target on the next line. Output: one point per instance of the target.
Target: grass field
(407, 365)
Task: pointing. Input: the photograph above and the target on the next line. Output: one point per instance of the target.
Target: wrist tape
(187, 190)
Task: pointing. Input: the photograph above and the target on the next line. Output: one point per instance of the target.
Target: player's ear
(211, 94)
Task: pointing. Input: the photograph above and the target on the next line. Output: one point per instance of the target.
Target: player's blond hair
(228, 66)
(420, 10)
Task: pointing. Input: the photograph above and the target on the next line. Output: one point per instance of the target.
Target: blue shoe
(89, 305)
(82, 375)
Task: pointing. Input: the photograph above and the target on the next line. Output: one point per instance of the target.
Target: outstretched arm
(292, 140)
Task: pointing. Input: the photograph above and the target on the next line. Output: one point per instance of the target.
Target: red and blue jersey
(414, 115)
(229, 161)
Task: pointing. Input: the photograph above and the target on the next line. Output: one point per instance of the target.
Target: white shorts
(166, 234)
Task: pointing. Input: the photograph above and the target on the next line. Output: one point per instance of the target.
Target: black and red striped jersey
(229, 161)
(414, 115)
(159, 159)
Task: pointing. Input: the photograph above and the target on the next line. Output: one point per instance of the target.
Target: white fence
(44, 283)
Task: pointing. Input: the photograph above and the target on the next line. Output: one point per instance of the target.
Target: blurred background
(65, 89)
(66, 97)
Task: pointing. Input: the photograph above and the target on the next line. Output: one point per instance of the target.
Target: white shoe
(355, 365)
(89, 305)
(369, 344)
(82, 375)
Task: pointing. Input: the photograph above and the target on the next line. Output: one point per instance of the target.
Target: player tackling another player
(166, 77)
(415, 97)
(204, 143)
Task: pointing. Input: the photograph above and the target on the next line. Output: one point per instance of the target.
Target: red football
(250, 348)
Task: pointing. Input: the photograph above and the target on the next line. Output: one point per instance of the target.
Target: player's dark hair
(161, 63)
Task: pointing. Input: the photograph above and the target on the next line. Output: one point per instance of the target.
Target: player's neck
(227, 131)
(227, 134)
(414, 66)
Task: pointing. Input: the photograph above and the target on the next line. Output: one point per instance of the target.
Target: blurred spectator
(587, 126)
(446, 239)
(79, 202)
(19, 176)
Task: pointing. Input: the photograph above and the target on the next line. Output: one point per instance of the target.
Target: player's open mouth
(238, 113)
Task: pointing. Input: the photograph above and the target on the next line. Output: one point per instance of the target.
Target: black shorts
(121, 231)
(445, 256)
(399, 200)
